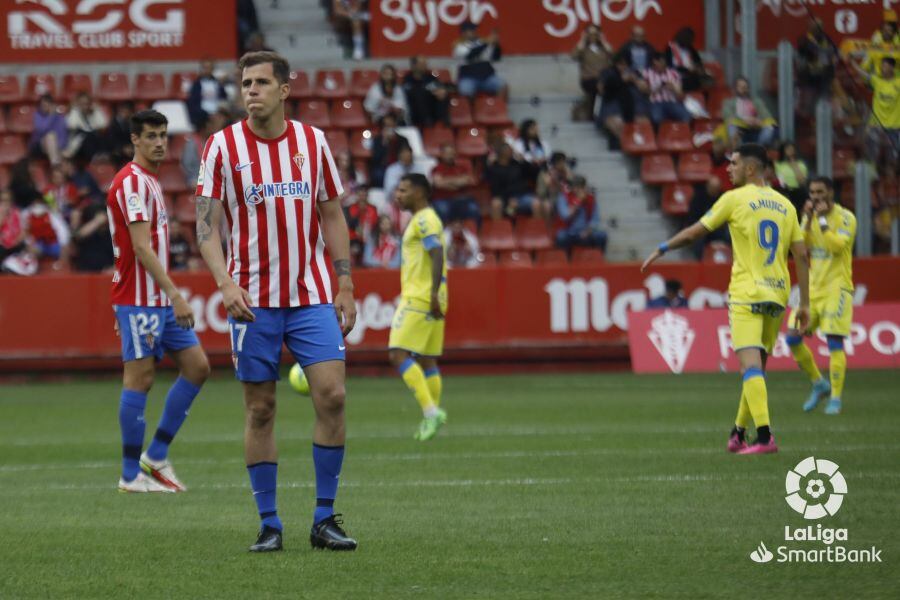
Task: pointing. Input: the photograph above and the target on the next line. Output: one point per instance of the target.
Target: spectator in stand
(12, 233)
(386, 147)
(884, 125)
(594, 55)
(91, 242)
(247, 22)
(386, 96)
(792, 173)
(351, 22)
(816, 61)
(61, 194)
(476, 73)
(118, 135)
(206, 95)
(720, 162)
(553, 181)
(86, 124)
(181, 250)
(46, 232)
(85, 184)
(618, 92)
(382, 246)
(637, 51)
(50, 135)
(705, 195)
(580, 214)
(362, 219)
(195, 142)
(22, 185)
(462, 246)
(351, 179)
(747, 117)
(509, 189)
(531, 150)
(452, 182)
(682, 56)
(884, 42)
(662, 84)
(395, 171)
(426, 97)
(673, 298)
(256, 42)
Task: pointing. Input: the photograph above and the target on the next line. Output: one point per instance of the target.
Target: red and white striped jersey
(270, 189)
(135, 195)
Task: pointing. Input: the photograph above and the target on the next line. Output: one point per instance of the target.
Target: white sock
(431, 411)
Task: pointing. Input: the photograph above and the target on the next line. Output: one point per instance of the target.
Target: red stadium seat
(717, 72)
(361, 143)
(443, 74)
(676, 198)
(487, 259)
(314, 112)
(337, 140)
(714, 102)
(515, 259)
(703, 134)
(21, 118)
(491, 111)
(180, 85)
(3, 128)
(300, 89)
(638, 138)
(497, 235)
(532, 234)
(460, 112)
(435, 137)
(4, 175)
(675, 136)
(150, 87)
(717, 252)
(171, 178)
(471, 142)
(551, 256)
(842, 162)
(39, 84)
(10, 90)
(348, 114)
(114, 87)
(185, 208)
(361, 80)
(176, 148)
(103, 173)
(585, 256)
(75, 83)
(658, 169)
(331, 84)
(699, 98)
(12, 148)
(695, 167)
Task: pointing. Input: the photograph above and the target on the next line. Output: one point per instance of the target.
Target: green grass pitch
(540, 486)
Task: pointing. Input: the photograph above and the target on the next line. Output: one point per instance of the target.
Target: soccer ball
(298, 380)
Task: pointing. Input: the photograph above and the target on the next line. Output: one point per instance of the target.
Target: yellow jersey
(830, 253)
(886, 101)
(423, 233)
(763, 225)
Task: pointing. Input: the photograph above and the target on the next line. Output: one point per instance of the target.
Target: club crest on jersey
(257, 193)
(299, 160)
(150, 341)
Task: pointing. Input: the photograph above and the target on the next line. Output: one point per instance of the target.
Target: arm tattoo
(204, 219)
(341, 267)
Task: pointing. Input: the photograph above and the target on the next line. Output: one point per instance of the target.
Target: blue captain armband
(431, 242)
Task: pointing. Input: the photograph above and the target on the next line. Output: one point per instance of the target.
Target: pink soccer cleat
(757, 448)
(736, 444)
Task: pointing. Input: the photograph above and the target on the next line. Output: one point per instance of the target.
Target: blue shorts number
(768, 238)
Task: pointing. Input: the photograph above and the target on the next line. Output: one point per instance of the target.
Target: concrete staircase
(299, 30)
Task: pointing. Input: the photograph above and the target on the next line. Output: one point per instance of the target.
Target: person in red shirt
(452, 182)
(383, 246)
(12, 234)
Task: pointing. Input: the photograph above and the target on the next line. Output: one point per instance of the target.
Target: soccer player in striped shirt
(152, 316)
(277, 184)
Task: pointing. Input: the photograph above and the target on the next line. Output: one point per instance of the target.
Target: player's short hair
(673, 286)
(754, 151)
(419, 181)
(890, 60)
(280, 66)
(147, 117)
(826, 181)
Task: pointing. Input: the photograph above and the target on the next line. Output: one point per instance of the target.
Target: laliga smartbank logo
(815, 488)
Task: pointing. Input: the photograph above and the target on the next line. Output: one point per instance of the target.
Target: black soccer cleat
(269, 540)
(328, 533)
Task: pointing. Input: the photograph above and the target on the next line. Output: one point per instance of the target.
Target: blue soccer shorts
(150, 331)
(312, 335)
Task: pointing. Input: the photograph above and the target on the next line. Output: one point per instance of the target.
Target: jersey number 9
(768, 238)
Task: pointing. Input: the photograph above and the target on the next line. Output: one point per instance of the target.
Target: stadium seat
(551, 256)
(348, 114)
(171, 178)
(314, 112)
(658, 169)
(674, 136)
(487, 259)
(10, 90)
(695, 167)
(638, 138)
(699, 98)
(361, 143)
(491, 111)
(4, 176)
(12, 148)
(704, 129)
(515, 259)
(714, 102)
(532, 234)
(717, 252)
(185, 209)
(435, 137)
(331, 84)
(337, 141)
(443, 74)
(180, 85)
(717, 72)
(75, 83)
(114, 87)
(176, 148)
(471, 142)
(103, 173)
(497, 235)
(460, 112)
(676, 198)
(842, 163)
(21, 118)
(300, 89)
(583, 256)
(39, 84)
(150, 87)
(361, 80)
(3, 128)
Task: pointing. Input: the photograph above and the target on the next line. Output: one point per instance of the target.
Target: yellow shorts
(415, 330)
(755, 325)
(832, 315)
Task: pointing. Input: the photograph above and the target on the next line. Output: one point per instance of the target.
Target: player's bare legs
(259, 423)
(754, 399)
(326, 386)
(138, 374)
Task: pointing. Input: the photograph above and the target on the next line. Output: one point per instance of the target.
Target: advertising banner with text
(778, 20)
(117, 30)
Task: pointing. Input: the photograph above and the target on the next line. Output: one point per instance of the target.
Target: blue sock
(131, 423)
(327, 460)
(178, 403)
(263, 481)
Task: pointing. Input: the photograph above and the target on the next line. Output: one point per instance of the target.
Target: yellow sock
(757, 396)
(838, 371)
(435, 384)
(414, 378)
(743, 416)
(805, 361)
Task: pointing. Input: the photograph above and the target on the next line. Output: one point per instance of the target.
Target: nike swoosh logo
(342, 348)
(243, 166)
